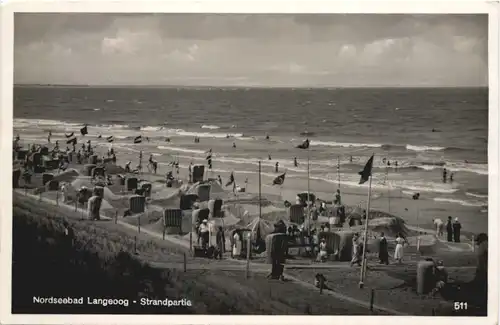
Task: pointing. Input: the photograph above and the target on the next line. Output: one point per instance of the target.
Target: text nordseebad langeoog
(105, 302)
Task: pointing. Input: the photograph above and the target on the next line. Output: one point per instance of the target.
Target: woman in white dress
(323, 254)
(237, 245)
(399, 252)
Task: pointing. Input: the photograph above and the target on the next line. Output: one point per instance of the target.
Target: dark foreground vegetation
(48, 262)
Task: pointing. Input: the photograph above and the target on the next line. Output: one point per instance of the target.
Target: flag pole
(388, 191)
(338, 172)
(260, 192)
(308, 195)
(365, 239)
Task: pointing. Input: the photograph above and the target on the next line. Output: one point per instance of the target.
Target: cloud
(265, 49)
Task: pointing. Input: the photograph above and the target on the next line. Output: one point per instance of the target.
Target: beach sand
(417, 213)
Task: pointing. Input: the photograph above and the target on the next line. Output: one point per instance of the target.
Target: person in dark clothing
(383, 252)
(456, 231)
(276, 167)
(445, 173)
(295, 163)
(449, 229)
(481, 278)
(278, 252)
(220, 240)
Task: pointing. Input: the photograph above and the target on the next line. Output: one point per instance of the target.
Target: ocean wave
(481, 196)
(151, 128)
(480, 169)
(380, 183)
(423, 148)
(21, 122)
(210, 127)
(196, 151)
(461, 202)
(344, 144)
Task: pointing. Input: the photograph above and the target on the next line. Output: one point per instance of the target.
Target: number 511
(460, 305)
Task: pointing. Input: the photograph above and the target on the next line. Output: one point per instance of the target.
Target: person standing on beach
(295, 163)
(456, 230)
(399, 251)
(439, 227)
(445, 172)
(449, 230)
(221, 243)
(338, 198)
(204, 234)
(190, 171)
(356, 251)
(383, 252)
(451, 176)
(481, 278)
(276, 167)
(49, 136)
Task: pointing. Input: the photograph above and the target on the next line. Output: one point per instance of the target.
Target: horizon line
(229, 86)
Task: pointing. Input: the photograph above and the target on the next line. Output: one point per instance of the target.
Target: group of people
(453, 229)
(445, 175)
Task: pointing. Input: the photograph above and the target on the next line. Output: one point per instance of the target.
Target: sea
(424, 130)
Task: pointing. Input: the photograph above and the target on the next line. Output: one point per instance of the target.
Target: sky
(299, 50)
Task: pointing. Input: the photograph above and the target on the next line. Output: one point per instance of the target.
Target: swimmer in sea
(295, 163)
(445, 172)
(451, 176)
(267, 136)
(234, 145)
(269, 157)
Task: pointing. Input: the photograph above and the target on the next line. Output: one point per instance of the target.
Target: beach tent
(303, 196)
(260, 228)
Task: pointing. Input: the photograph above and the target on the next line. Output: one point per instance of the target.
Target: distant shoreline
(236, 87)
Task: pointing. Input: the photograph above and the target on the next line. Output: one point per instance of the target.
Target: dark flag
(69, 135)
(138, 139)
(110, 139)
(209, 158)
(231, 180)
(84, 130)
(304, 145)
(71, 141)
(367, 171)
(279, 180)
